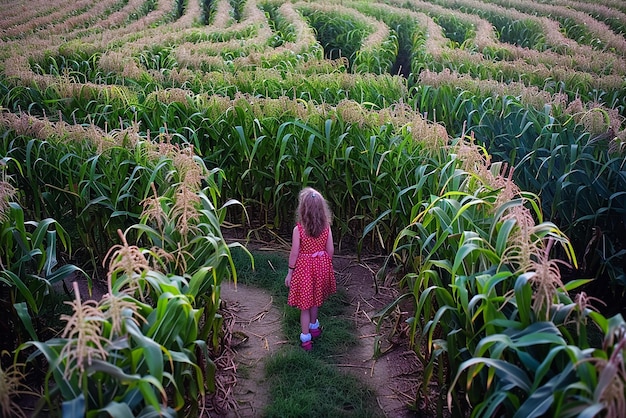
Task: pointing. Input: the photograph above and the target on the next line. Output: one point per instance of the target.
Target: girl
(311, 278)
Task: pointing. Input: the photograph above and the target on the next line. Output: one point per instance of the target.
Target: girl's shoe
(315, 332)
(307, 346)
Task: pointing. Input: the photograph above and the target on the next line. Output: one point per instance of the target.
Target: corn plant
(180, 9)
(493, 324)
(59, 202)
(377, 60)
(145, 8)
(185, 225)
(490, 306)
(221, 36)
(526, 33)
(409, 58)
(76, 66)
(457, 30)
(122, 346)
(572, 25)
(30, 267)
(158, 59)
(99, 184)
(238, 8)
(208, 11)
(341, 35)
(138, 104)
(534, 371)
(283, 30)
(12, 386)
(462, 265)
(566, 157)
(29, 261)
(145, 342)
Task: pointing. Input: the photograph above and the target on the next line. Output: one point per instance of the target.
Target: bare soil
(256, 327)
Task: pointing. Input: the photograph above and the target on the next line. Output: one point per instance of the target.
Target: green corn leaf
(504, 233)
(523, 298)
(508, 372)
(211, 367)
(41, 232)
(424, 304)
(22, 312)
(492, 405)
(539, 338)
(17, 214)
(546, 365)
(146, 387)
(197, 281)
(528, 361)
(163, 412)
(592, 410)
(65, 271)
(464, 251)
(113, 370)
(576, 283)
(390, 308)
(115, 409)
(181, 357)
(13, 279)
(535, 328)
(460, 290)
(431, 325)
(540, 401)
(488, 282)
(368, 228)
(74, 408)
(152, 352)
(493, 344)
(51, 349)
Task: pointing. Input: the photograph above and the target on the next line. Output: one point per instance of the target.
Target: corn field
(479, 146)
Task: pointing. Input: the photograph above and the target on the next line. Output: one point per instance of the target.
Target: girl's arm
(330, 248)
(293, 255)
(295, 247)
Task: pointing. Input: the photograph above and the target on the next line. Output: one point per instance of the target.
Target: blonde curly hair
(313, 212)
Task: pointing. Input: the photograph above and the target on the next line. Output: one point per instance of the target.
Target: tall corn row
(163, 293)
(492, 319)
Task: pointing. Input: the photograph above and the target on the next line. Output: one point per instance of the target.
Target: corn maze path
(393, 376)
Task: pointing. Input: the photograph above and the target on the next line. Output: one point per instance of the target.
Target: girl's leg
(313, 314)
(305, 320)
(314, 326)
(305, 337)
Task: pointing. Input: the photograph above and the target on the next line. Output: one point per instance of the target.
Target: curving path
(393, 375)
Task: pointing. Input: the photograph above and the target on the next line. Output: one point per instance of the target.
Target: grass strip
(307, 383)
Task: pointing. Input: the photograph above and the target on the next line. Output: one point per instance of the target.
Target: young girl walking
(311, 278)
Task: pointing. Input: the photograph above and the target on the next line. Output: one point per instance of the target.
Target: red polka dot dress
(313, 278)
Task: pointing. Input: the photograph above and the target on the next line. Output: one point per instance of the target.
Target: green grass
(307, 383)
(303, 385)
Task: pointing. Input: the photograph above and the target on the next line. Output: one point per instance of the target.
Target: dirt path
(257, 322)
(392, 374)
(255, 316)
